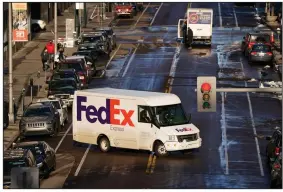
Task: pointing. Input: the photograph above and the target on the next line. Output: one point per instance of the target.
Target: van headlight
(72, 96)
(172, 138)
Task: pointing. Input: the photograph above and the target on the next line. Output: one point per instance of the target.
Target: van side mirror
(189, 117)
(268, 138)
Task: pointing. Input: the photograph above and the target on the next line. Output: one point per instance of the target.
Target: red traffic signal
(205, 87)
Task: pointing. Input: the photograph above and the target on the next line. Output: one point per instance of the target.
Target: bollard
(38, 76)
(23, 96)
(31, 86)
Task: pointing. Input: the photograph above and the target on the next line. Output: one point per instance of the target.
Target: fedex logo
(93, 114)
(183, 129)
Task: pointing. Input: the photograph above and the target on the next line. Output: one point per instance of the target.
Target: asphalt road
(230, 156)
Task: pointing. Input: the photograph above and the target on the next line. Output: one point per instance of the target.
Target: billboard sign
(199, 18)
(20, 22)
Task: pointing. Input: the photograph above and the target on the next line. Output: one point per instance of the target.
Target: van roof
(151, 98)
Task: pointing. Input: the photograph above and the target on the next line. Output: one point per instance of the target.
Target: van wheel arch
(106, 140)
(155, 146)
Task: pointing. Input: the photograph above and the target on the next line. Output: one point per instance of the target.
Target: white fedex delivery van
(131, 119)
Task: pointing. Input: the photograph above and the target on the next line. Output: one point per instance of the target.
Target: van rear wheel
(160, 149)
(104, 144)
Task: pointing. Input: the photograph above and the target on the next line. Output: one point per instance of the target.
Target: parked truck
(200, 21)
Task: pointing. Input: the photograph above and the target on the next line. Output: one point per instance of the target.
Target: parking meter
(23, 98)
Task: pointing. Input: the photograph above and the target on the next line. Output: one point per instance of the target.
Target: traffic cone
(272, 37)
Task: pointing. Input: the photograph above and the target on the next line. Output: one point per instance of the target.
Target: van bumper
(177, 146)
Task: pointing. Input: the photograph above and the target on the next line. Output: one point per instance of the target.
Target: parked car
(252, 38)
(65, 74)
(260, 52)
(106, 39)
(80, 69)
(99, 38)
(90, 53)
(63, 89)
(16, 158)
(111, 35)
(44, 155)
(5, 114)
(39, 119)
(274, 146)
(124, 9)
(60, 106)
(88, 64)
(276, 173)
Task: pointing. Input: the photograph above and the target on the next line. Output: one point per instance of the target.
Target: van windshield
(169, 115)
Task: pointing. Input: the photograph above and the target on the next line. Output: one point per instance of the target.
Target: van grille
(187, 138)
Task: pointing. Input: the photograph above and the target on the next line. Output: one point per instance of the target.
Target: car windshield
(91, 39)
(170, 115)
(81, 54)
(35, 112)
(37, 151)
(63, 84)
(261, 48)
(63, 75)
(261, 38)
(76, 66)
(11, 163)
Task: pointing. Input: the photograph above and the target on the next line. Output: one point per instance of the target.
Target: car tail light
(277, 151)
(253, 53)
(276, 166)
(127, 10)
(119, 10)
(250, 45)
(82, 77)
(269, 53)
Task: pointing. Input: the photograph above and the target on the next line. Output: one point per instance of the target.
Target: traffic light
(206, 94)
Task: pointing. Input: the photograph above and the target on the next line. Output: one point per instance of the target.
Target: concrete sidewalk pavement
(27, 63)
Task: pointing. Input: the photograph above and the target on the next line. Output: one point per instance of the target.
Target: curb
(15, 138)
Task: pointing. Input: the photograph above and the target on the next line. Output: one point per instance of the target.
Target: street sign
(79, 5)
(206, 94)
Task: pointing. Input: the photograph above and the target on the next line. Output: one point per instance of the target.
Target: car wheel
(104, 144)
(160, 149)
(54, 166)
(46, 171)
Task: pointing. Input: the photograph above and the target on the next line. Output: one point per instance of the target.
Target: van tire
(104, 144)
(160, 150)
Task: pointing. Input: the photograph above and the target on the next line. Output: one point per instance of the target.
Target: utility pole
(11, 106)
(55, 28)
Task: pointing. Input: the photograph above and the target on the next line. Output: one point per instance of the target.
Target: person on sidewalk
(190, 37)
(44, 58)
(50, 49)
(184, 30)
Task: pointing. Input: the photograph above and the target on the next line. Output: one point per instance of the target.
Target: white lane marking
(236, 20)
(113, 56)
(253, 125)
(155, 14)
(141, 15)
(220, 16)
(131, 59)
(62, 139)
(174, 66)
(224, 134)
(82, 161)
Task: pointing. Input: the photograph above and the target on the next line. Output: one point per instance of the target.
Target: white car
(59, 105)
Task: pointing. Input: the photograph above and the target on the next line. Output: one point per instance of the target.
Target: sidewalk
(276, 51)
(27, 63)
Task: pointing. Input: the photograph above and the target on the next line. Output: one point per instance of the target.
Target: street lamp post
(55, 28)
(11, 107)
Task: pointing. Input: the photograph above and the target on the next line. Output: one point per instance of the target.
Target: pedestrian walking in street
(50, 48)
(44, 59)
(190, 37)
(184, 30)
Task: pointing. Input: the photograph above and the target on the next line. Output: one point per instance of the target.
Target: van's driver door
(146, 133)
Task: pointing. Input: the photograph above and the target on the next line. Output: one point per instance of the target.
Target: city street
(147, 53)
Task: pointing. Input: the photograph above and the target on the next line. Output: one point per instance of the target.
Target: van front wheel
(160, 149)
(104, 144)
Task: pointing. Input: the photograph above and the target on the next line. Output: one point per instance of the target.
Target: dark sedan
(43, 153)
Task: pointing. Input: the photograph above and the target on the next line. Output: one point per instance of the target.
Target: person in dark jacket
(190, 37)
(44, 58)
(184, 30)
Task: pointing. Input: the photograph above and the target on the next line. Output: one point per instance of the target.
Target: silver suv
(40, 119)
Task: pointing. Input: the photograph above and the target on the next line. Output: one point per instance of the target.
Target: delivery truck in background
(132, 119)
(200, 21)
